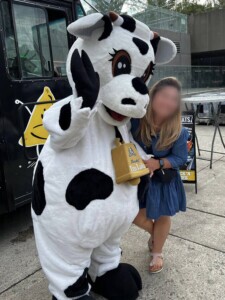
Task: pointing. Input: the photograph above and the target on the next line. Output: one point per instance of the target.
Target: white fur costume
(79, 212)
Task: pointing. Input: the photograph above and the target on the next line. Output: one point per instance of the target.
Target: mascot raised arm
(80, 208)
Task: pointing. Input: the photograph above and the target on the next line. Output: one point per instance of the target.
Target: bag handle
(118, 135)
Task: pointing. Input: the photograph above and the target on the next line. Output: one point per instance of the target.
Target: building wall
(183, 41)
(207, 31)
(172, 25)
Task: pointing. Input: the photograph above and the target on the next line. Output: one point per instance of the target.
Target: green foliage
(182, 6)
(220, 3)
(188, 6)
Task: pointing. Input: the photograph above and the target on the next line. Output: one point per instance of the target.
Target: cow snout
(128, 101)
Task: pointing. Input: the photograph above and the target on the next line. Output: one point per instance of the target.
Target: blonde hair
(170, 130)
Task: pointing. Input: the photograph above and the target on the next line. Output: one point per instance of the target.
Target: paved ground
(194, 253)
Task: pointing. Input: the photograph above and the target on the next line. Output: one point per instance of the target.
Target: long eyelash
(113, 54)
(152, 68)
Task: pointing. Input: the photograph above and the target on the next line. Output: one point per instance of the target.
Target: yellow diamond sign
(35, 134)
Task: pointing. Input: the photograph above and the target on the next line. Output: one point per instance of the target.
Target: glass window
(89, 8)
(80, 11)
(42, 41)
(12, 60)
(33, 41)
(59, 41)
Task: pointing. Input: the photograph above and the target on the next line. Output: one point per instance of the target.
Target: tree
(105, 6)
(219, 3)
(160, 3)
(171, 4)
(182, 6)
(188, 6)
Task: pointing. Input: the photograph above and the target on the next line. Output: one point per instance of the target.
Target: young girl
(160, 133)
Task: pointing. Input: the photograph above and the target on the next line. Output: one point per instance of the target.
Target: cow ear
(84, 27)
(165, 50)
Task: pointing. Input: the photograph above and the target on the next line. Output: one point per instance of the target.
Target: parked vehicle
(33, 48)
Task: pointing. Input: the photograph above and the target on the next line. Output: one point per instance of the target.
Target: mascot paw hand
(86, 79)
(122, 283)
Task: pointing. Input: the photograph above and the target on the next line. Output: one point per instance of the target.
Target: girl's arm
(153, 164)
(179, 152)
(178, 155)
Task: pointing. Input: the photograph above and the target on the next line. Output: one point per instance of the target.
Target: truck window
(33, 41)
(80, 11)
(10, 45)
(89, 6)
(38, 45)
(59, 40)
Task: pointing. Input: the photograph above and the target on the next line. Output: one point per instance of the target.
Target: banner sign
(188, 171)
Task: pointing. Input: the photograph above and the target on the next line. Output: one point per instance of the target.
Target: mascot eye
(148, 71)
(121, 63)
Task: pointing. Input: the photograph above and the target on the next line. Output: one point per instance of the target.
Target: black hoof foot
(122, 283)
(82, 298)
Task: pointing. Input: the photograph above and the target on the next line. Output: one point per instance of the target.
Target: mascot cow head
(123, 52)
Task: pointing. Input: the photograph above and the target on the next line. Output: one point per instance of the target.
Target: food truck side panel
(32, 69)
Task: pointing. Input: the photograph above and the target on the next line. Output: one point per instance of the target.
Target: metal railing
(160, 18)
(194, 79)
(154, 16)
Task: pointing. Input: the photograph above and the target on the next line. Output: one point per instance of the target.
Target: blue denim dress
(165, 199)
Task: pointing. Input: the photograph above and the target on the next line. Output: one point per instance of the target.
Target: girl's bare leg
(143, 222)
(160, 232)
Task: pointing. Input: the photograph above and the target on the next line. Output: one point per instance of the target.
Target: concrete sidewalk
(194, 253)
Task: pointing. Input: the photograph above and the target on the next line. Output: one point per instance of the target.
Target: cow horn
(115, 18)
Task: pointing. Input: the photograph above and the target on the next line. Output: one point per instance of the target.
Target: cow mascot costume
(79, 210)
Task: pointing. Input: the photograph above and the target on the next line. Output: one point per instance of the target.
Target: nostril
(139, 86)
(128, 101)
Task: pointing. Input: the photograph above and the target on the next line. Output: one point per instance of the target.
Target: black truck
(34, 44)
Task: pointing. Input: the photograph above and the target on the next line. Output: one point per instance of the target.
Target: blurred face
(166, 103)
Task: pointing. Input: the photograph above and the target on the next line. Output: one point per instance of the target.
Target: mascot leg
(69, 283)
(111, 279)
(65, 266)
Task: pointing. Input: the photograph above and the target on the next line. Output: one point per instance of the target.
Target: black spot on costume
(65, 116)
(79, 288)
(38, 193)
(87, 186)
(139, 86)
(129, 23)
(107, 28)
(142, 46)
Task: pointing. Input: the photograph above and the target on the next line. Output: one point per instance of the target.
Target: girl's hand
(152, 164)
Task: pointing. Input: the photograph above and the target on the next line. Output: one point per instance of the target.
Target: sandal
(150, 244)
(155, 257)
